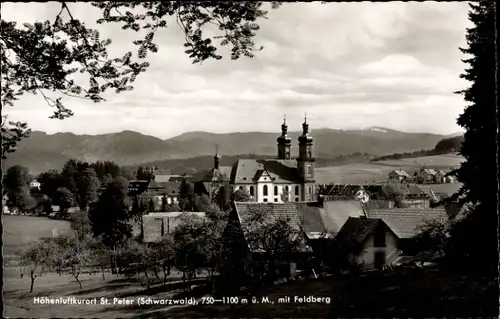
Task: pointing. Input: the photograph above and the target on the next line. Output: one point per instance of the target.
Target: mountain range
(42, 151)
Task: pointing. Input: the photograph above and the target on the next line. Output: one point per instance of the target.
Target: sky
(347, 65)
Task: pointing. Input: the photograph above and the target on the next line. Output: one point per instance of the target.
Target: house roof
(356, 230)
(281, 171)
(137, 186)
(162, 178)
(335, 213)
(404, 222)
(152, 224)
(400, 172)
(273, 212)
(429, 171)
(311, 220)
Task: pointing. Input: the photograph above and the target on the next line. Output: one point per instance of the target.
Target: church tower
(284, 142)
(305, 164)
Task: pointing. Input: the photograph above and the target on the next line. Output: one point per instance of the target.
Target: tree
(186, 196)
(164, 203)
(109, 216)
(49, 182)
(65, 199)
(190, 246)
(100, 255)
(68, 174)
(285, 195)
(479, 146)
(88, 185)
(12, 133)
(35, 257)
(43, 57)
(80, 224)
(15, 185)
(143, 174)
(202, 203)
(448, 145)
(151, 205)
(241, 195)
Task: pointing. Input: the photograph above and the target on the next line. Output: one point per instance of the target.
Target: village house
(399, 175)
(406, 222)
(279, 180)
(245, 245)
(370, 243)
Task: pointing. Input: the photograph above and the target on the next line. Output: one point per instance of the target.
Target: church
(282, 179)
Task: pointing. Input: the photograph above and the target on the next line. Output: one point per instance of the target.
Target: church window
(275, 200)
(296, 199)
(309, 170)
(241, 187)
(286, 188)
(275, 190)
(251, 190)
(265, 200)
(265, 190)
(297, 190)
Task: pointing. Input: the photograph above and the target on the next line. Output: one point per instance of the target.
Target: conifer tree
(474, 239)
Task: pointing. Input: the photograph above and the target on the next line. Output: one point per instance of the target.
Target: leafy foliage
(15, 185)
(45, 56)
(65, 199)
(479, 146)
(110, 215)
(241, 195)
(35, 258)
(12, 134)
(87, 184)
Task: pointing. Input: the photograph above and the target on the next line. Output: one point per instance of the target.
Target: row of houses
(424, 176)
(383, 234)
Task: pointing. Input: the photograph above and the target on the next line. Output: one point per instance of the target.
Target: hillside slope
(43, 151)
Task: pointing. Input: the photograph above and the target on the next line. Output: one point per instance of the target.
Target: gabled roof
(310, 217)
(400, 172)
(429, 171)
(404, 222)
(336, 213)
(273, 212)
(281, 171)
(167, 178)
(358, 230)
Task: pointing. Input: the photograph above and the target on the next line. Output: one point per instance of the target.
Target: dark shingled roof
(336, 213)
(404, 222)
(281, 171)
(310, 217)
(273, 212)
(357, 230)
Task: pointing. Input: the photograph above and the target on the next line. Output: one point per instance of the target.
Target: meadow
(20, 230)
(375, 172)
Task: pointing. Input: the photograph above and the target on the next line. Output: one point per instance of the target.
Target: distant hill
(43, 151)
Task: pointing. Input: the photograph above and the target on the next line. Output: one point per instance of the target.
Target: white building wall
(271, 196)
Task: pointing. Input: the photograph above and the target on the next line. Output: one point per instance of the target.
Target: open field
(19, 231)
(374, 172)
(437, 161)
